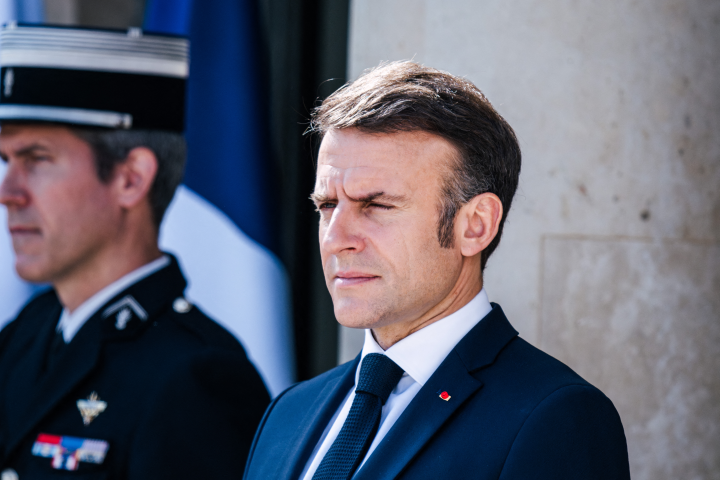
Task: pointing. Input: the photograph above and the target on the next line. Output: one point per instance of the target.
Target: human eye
(30, 159)
(39, 157)
(380, 206)
(320, 207)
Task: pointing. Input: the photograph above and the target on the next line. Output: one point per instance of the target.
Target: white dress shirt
(419, 355)
(70, 323)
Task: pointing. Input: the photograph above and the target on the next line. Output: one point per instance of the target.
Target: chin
(31, 271)
(353, 314)
(354, 323)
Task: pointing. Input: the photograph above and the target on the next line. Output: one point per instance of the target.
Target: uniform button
(180, 305)
(9, 474)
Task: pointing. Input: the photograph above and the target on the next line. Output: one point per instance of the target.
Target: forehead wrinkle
(332, 177)
(368, 183)
(359, 183)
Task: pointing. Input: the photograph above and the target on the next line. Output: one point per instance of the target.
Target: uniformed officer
(110, 374)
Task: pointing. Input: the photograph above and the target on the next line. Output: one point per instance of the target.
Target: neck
(107, 265)
(468, 285)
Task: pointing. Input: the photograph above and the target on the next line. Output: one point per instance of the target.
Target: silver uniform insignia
(91, 408)
(125, 307)
(122, 318)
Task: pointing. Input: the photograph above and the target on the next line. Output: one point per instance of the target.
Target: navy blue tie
(378, 377)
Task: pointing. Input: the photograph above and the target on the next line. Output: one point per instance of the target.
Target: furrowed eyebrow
(379, 196)
(30, 149)
(319, 198)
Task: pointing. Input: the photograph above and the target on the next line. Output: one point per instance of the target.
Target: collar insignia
(91, 408)
(125, 307)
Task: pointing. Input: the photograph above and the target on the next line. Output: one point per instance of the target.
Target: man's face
(378, 197)
(59, 213)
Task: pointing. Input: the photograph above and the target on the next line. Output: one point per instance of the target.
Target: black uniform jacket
(181, 399)
(510, 412)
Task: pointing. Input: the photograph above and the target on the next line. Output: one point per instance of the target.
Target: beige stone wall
(611, 256)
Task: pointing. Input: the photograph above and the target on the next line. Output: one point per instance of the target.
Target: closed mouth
(352, 278)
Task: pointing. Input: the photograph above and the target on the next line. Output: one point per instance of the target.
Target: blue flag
(228, 161)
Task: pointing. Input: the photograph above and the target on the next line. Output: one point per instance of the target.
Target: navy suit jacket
(514, 413)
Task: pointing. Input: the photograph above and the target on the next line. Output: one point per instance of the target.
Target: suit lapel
(427, 412)
(421, 419)
(316, 418)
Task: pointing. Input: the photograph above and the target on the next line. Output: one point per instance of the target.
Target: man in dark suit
(111, 373)
(416, 174)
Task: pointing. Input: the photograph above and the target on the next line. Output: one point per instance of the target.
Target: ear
(134, 177)
(477, 223)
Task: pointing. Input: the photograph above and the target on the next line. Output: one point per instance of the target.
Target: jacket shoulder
(204, 329)
(538, 370)
(186, 355)
(548, 381)
(180, 340)
(574, 432)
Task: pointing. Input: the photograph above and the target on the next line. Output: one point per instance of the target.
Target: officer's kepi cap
(105, 78)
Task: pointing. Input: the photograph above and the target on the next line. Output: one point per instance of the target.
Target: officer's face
(378, 198)
(59, 213)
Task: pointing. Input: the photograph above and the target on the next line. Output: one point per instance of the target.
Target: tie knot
(378, 376)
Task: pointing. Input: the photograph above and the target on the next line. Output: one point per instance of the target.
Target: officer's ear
(134, 177)
(477, 223)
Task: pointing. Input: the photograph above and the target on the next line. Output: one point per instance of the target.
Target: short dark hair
(112, 147)
(406, 96)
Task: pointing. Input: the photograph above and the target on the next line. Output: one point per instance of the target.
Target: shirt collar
(421, 353)
(70, 323)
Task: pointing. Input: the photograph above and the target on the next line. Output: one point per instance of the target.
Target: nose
(11, 191)
(343, 232)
